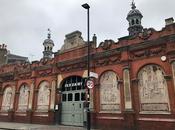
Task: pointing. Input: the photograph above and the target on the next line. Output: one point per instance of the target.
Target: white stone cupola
(48, 46)
(134, 18)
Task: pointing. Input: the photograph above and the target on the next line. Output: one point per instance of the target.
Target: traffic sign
(90, 83)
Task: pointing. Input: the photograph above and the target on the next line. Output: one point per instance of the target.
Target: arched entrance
(73, 98)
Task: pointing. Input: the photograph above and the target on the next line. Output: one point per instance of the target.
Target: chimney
(169, 21)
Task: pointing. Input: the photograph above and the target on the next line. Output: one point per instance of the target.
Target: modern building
(135, 88)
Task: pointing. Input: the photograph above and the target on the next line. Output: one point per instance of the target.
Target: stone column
(31, 95)
(127, 89)
(52, 102)
(53, 91)
(1, 93)
(58, 100)
(59, 80)
(13, 97)
(129, 114)
(173, 71)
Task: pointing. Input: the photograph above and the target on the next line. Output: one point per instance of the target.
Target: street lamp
(87, 7)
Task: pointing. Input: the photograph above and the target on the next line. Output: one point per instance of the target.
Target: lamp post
(87, 7)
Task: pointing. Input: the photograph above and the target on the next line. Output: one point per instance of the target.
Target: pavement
(23, 126)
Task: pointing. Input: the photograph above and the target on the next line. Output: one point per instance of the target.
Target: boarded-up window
(109, 92)
(7, 99)
(43, 96)
(23, 98)
(153, 89)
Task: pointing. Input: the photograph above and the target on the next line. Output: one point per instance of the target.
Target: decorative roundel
(163, 58)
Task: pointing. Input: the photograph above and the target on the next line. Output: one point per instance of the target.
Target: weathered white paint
(7, 99)
(23, 98)
(43, 97)
(153, 89)
(109, 92)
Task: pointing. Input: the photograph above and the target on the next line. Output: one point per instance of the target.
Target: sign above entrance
(95, 75)
(90, 83)
(73, 84)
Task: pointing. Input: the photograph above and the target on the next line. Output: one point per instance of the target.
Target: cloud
(24, 23)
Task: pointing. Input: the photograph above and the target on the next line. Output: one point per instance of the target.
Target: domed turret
(48, 46)
(134, 18)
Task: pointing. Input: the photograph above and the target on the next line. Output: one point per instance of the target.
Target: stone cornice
(7, 74)
(94, 56)
(107, 53)
(151, 43)
(44, 67)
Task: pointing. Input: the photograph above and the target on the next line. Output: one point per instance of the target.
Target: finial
(49, 33)
(133, 6)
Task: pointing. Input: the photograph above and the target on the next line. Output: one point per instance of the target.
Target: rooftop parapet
(169, 21)
(3, 46)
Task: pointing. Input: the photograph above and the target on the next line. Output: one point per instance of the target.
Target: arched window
(48, 48)
(153, 89)
(7, 99)
(23, 98)
(43, 96)
(132, 22)
(137, 21)
(109, 92)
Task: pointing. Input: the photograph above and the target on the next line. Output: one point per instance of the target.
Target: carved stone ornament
(24, 75)
(106, 44)
(44, 61)
(148, 52)
(145, 34)
(73, 67)
(108, 61)
(45, 72)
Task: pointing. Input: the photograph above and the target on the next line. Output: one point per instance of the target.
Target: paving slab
(23, 126)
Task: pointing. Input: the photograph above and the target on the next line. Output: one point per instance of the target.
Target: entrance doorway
(73, 98)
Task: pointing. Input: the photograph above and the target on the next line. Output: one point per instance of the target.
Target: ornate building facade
(135, 89)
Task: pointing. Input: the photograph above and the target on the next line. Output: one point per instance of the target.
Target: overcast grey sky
(24, 23)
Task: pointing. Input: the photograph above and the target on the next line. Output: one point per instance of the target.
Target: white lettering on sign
(73, 84)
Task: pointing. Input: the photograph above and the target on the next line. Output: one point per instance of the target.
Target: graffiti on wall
(153, 89)
(109, 92)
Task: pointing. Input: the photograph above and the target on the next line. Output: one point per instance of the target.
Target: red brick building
(135, 88)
